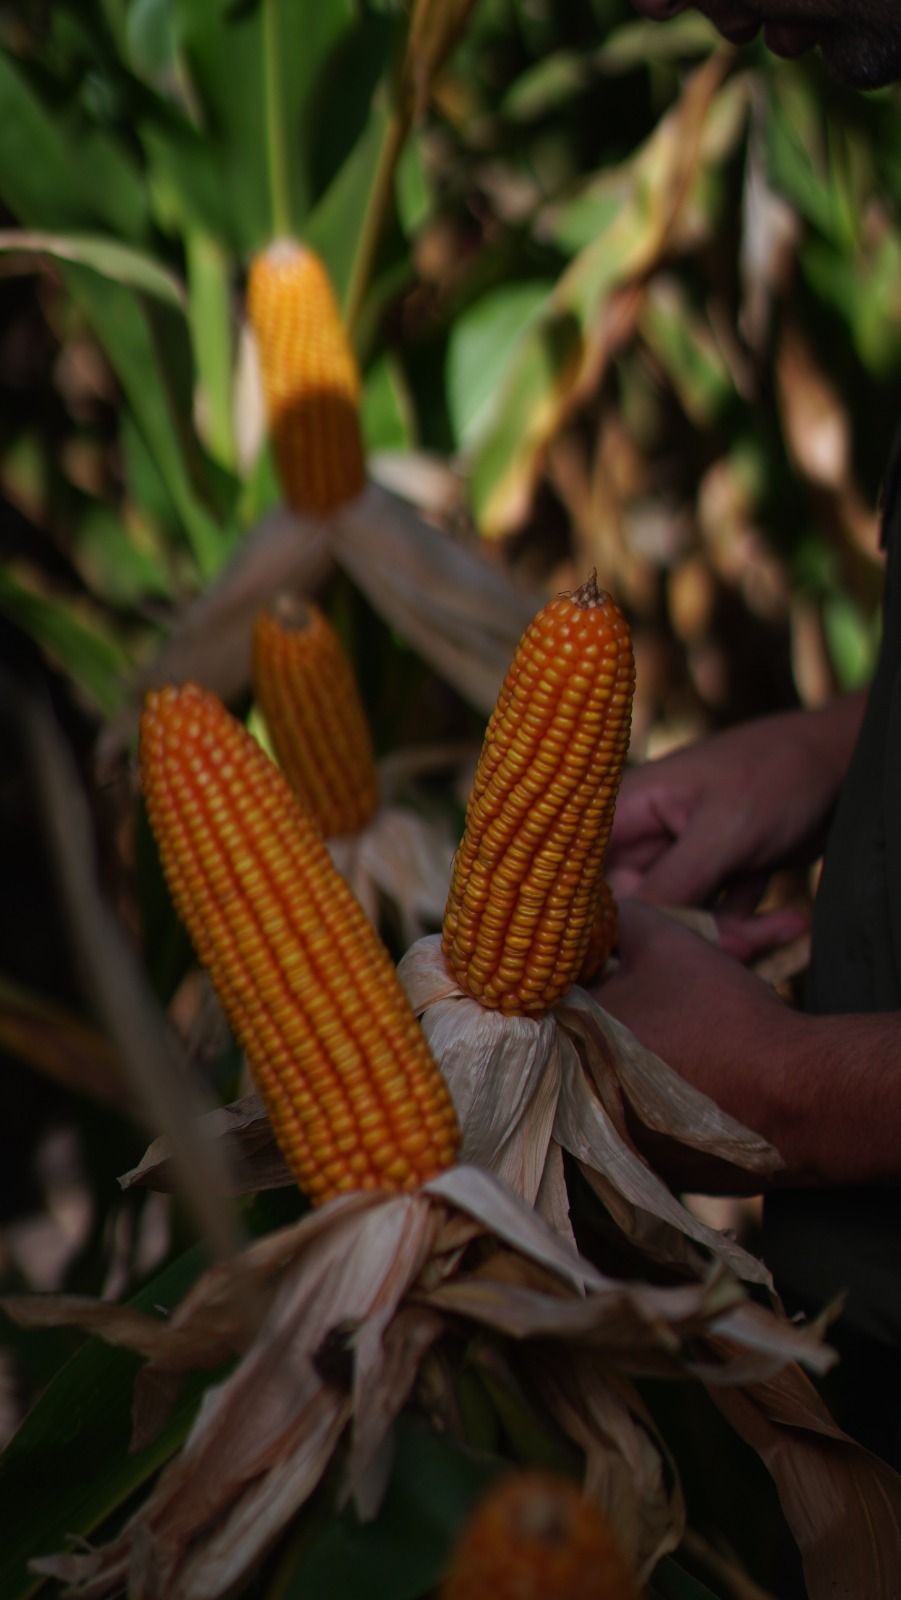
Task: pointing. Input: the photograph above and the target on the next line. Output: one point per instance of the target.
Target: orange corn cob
(355, 1097)
(602, 937)
(536, 1537)
(528, 871)
(310, 378)
(305, 687)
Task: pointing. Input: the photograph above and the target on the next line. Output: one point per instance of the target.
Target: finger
(692, 870)
(746, 938)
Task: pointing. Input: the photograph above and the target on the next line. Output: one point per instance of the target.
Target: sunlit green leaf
(118, 262)
(481, 343)
(385, 407)
(210, 320)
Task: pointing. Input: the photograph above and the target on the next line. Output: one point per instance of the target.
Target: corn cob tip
(590, 593)
(290, 611)
(310, 378)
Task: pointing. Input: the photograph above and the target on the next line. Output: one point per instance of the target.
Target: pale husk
(525, 1087)
(461, 612)
(403, 858)
(353, 1298)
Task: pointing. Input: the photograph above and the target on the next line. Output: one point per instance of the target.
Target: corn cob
(535, 1537)
(310, 378)
(602, 937)
(305, 687)
(355, 1098)
(527, 874)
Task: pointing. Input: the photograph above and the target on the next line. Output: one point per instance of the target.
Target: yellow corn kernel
(310, 378)
(602, 937)
(305, 688)
(528, 871)
(532, 1537)
(355, 1097)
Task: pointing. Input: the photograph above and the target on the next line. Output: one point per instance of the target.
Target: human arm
(742, 803)
(825, 1090)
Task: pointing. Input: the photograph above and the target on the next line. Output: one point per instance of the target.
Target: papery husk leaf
(664, 1100)
(118, 1325)
(255, 1161)
(404, 858)
(504, 1075)
(628, 1468)
(210, 641)
(264, 1437)
(463, 614)
(520, 1084)
(842, 1504)
(355, 1295)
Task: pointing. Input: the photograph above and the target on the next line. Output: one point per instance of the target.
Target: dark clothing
(821, 1242)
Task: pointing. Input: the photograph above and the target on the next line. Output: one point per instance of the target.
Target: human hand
(711, 1020)
(707, 825)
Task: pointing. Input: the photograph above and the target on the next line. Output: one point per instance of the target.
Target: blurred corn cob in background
(355, 1098)
(310, 378)
(534, 1536)
(305, 687)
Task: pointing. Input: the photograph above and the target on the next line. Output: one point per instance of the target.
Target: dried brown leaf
(842, 1504)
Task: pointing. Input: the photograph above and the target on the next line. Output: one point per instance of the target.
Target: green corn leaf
(121, 263)
(63, 178)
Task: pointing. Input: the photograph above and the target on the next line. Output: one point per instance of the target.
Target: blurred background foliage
(621, 296)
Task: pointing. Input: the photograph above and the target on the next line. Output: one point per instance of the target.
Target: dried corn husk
(365, 1287)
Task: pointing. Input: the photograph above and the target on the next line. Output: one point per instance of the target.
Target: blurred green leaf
(62, 178)
(210, 321)
(411, 187)
(121, 324)
(482, 341)
(150, 38)
(687, 350)
(385, 407)
(333, 227)
(249, 100)
(120, 564)
(853, 641)
(118, 262)
(89, 656)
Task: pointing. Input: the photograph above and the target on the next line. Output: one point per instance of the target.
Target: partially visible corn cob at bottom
(354, 1094)
(536, 1537)
(310, 378)
(304, 685)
